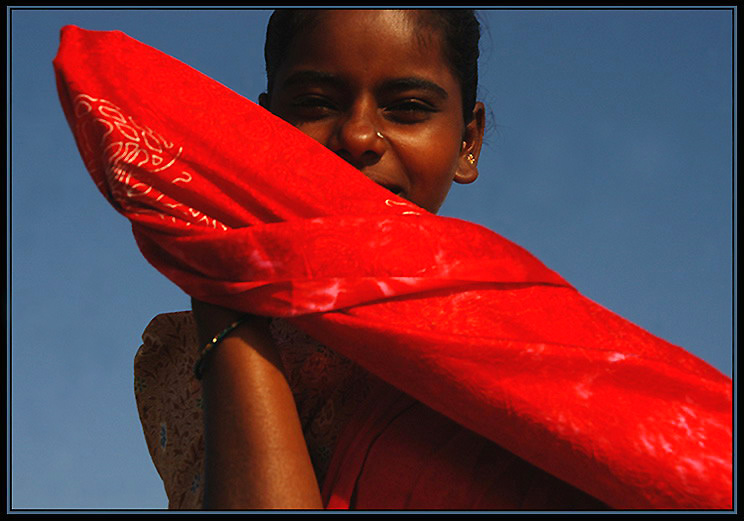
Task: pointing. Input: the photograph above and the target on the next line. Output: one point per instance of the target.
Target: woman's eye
(410, 111)
(312, 106)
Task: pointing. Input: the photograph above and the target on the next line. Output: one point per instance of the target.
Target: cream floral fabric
(327, 388)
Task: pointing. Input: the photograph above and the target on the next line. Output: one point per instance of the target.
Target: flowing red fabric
(239, 208)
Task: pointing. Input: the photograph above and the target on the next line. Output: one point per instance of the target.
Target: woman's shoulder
(168, 337)
(166, 322)
(168, 400)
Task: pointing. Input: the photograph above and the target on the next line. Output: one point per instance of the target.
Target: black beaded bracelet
(213, 343)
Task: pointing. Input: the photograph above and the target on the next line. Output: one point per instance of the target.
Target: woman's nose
(358, 138)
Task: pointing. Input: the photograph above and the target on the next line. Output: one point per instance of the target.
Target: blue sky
(609, 156)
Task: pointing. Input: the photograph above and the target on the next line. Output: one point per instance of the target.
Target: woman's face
(374, 87)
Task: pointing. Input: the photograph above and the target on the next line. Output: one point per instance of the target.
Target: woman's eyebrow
(310, 76)
(304, 77)
(414, 83)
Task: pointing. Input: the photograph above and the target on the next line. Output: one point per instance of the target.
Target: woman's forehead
(368, 41)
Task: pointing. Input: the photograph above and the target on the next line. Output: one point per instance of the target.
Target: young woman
(289, 423)
(392, 93)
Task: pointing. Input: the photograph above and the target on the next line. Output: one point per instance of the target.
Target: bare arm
(256, 456)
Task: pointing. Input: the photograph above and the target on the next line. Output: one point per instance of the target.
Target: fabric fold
(239, 208)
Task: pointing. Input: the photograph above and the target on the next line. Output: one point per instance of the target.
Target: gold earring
(471, 159)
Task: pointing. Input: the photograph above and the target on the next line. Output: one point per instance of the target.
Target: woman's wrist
(211, 319)
(215, 342)
(216, 324)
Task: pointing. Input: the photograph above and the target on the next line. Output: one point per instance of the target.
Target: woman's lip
(397, 190)
(391, 187)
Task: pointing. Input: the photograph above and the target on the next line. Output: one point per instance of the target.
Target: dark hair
(460, 29)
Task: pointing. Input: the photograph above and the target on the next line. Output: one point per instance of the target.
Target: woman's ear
(467, 170)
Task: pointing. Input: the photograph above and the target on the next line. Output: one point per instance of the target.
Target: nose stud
(379, 135)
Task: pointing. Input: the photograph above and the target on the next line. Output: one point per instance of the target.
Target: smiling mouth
(397, 190)
(391, 187)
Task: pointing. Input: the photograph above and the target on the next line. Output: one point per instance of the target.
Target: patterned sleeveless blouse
(327, 388)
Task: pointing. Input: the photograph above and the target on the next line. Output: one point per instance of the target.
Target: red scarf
(240, 209)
